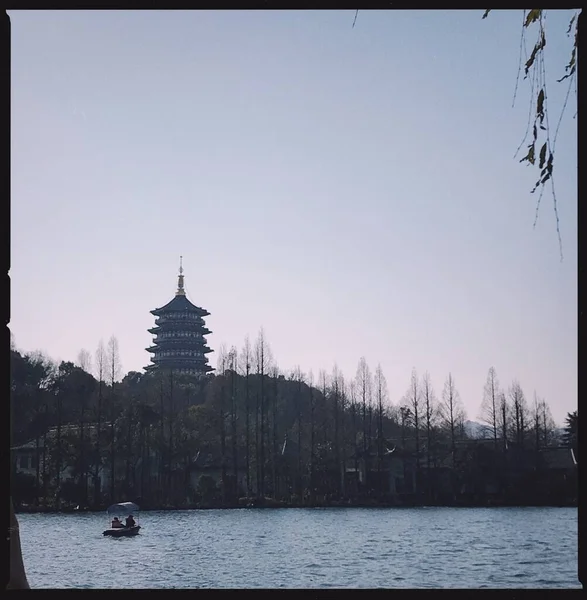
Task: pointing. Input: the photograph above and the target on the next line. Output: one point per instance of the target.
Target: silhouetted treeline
(251, 434)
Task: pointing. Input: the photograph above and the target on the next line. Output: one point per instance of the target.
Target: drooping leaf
(540, 102)
(570, 24)
(571, 66)
(488, 10)
(530, 61)
(548, 166)
(536, 186)
(537, 47)
(530, 157)
(540, 44)
(566, 76)
(542, 156)
(540, 105)
(533, 15)
(545, 174)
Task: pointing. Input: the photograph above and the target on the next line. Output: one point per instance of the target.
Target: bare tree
(543, 425)
(336, 405)
(354, 423)
(341, 389)
(299, 377)
(490, 405)
(114, 369)
(246, 357)
(451, 411)
(363, 379)
(405, 421)
(233, 417)
(100, 373)
(519, 412)
(221, 359)
(429, 402)
(381, 391)
(114, 365)
(413, 399)
(312, 402)
(84, 360)
(223, 367)
(58, 452)
(548, 425)
(536, 414)
(274, 421)
(370, 435)
(263, 363)
(503, 423)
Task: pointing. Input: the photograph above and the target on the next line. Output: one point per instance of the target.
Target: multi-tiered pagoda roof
(180, 330)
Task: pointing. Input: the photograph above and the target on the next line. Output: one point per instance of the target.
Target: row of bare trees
(430, 415)
(289, 435)
(507, 416)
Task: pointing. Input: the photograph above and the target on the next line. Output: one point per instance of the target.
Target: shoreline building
(180, 344)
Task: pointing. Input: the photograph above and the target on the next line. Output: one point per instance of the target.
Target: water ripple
(308, 548)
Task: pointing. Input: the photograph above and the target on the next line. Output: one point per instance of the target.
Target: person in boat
(117, 523)
(130, 522)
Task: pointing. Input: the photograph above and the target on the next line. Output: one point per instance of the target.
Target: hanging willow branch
(538, 122)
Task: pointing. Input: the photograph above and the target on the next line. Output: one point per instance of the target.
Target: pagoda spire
(180, 290)
(179, 343)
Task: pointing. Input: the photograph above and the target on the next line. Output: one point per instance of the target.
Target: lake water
(308, 548)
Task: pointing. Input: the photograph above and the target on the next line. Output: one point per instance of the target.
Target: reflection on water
(308, 548)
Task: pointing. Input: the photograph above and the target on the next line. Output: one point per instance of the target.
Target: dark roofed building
(180, 330)
(559, 459)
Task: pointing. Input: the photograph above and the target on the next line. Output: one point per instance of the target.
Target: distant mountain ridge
(475, 430)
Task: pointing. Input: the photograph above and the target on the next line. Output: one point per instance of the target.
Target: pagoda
(180, 331)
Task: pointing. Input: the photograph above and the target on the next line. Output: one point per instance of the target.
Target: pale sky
(351, 190)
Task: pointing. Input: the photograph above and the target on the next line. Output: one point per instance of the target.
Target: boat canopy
(124, 508)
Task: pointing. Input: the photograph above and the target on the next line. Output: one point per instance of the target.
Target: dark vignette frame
(5, 239)
(5, 184)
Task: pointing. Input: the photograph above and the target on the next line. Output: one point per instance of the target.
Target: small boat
(124, 509)
(122, 531)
